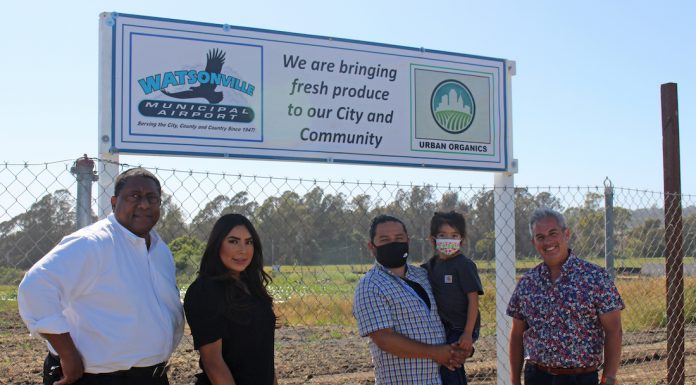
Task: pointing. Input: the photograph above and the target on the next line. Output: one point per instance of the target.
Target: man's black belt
(155, 371)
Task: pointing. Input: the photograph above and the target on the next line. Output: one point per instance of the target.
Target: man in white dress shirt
(105, 298)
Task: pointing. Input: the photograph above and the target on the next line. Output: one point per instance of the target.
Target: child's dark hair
(451, 218)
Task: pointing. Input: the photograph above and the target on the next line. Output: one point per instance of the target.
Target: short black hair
(451, 218)
(122, 178)
(382, 219)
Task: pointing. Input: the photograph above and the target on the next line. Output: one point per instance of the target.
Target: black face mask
(393, 254)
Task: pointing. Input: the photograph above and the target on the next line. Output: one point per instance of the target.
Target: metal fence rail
(314, 234)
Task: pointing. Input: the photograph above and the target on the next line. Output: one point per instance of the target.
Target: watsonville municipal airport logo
(202, 85)
(452, 106)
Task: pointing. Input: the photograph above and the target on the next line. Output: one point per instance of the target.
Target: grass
(528, 263)
(646, 307)
(323, 295)
(8, 298)
(8, 305)
(316, 298)
(316, 310)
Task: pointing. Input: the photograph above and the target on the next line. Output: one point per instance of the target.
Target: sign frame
(437, 153)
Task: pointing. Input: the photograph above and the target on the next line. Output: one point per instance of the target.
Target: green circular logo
(452, 106)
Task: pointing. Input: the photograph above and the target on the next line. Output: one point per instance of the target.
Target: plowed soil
(338, 356)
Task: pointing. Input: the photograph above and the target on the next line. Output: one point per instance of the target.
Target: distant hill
(639, 216)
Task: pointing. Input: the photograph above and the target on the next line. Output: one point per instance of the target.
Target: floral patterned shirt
(563, 328)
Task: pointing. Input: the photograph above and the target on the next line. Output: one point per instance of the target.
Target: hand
(447, 355)
(459, 355)
(72, 368)
(466, 343)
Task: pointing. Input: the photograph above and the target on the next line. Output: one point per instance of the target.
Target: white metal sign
(189, 88)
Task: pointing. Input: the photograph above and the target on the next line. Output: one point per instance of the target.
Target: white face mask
(447, 246)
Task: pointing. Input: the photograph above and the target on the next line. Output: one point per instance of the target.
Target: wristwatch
(608, 381)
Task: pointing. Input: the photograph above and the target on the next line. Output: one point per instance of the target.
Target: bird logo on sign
(216, 58)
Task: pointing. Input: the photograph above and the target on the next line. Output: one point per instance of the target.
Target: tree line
(324, 228)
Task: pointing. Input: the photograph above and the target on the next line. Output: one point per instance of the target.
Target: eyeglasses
(137, 198)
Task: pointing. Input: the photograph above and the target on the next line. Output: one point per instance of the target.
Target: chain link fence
(314, 234)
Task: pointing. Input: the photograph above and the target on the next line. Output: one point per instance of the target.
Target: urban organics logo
(452, 106)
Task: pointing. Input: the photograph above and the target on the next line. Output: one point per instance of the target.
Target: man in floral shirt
(566, 314)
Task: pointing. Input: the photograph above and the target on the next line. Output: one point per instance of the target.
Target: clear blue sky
(586, 97)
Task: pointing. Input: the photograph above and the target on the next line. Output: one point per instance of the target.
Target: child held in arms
(456, 286)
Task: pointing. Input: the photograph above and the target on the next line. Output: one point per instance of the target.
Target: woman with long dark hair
(229, 309)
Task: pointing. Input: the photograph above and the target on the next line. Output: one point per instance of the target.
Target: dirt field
(337, 356)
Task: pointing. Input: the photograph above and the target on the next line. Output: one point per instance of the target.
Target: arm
(215, 367)
(56, 278)
(63, 274)
(613, 332)
(70, 358)
(516, 350)
(466, 341)
(392, 342)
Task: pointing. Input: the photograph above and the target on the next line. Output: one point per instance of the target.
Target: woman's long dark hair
(253, 279)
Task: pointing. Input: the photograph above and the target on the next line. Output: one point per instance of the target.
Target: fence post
(83, 169)
(108, 155)
(505, 273)
(673, 235)
(609, 227)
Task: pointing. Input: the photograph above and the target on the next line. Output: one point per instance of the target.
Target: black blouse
(247, 337)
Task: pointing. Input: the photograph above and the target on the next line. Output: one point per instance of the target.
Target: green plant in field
(8, 306)
(8, 292)
(10, 276)
(335, 334)
(8, 298)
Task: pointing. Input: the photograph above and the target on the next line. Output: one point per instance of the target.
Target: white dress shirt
(117, 299)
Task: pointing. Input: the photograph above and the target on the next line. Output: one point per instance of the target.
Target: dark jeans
(457, 376)
(98, 379)
(534, 376)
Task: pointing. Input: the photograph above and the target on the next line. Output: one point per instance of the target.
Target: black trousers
(98, 379)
